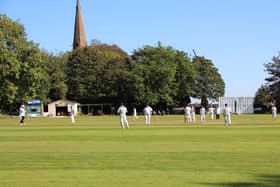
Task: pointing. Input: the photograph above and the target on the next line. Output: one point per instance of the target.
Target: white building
(239, 105)
(62, 107)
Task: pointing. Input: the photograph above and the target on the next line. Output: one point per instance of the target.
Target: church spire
(79, 30)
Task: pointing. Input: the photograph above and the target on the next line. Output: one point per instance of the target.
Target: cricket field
(51, 152)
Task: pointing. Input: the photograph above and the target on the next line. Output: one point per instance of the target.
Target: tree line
(100, 73)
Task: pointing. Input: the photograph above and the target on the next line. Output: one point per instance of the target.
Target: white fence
(239, 105)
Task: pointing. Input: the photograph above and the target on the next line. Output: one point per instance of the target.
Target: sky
(239, 36)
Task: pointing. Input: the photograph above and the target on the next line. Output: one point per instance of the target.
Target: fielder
(218, 112)
(193, 114)
(202, 115)
(122, 110)
(22, 112)
(211, 112)
(134, 114)
(188, 117)
(72, 114)
(227, 112)
(274, 112)
(147, 114)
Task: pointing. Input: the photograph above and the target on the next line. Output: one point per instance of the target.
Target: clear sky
(239, 36)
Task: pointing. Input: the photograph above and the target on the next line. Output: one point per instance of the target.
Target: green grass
(97, 152)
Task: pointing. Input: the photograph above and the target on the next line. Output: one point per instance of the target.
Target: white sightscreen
(240, 105)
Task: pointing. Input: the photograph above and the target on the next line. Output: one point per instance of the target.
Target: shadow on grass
(262, 181)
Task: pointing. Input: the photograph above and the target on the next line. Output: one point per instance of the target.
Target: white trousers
(73, 119)
(202, 118)
(135, 117)
(193, 117)
(124, 122)
(212, 116)
(148, 119)
(274, 115)
(188, 118)
(227, 120)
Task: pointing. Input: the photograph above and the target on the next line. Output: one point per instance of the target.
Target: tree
(262, 98)
(209, 83)
(56, 68)
(273, 81)
(95, 73)
(185, 79)
(154, 75)
(33, 78)
(11, 33)
(22, 69)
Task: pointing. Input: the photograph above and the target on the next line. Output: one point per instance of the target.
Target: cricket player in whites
(72, 115)
(188, 117)
(22, 112)
(134, 114)
(218, 112)
(211, 112)
(148, 113)
(193, 114)
(227, 112)
(202, 115)
(122, 110)
(274, 112)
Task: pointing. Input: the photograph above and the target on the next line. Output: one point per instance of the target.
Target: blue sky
(239, 36)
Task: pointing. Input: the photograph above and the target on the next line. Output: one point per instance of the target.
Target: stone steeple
(79, 30)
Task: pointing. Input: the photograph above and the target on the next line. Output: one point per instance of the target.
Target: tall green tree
(94, 73)
(11, 33)
(22, 69)
(273, 81)
(208, 83)
(185, 78)
(263, 98)
(154, 75)
(34, 79)
(56, 68)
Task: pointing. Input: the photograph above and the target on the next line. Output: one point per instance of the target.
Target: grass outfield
(51, 152)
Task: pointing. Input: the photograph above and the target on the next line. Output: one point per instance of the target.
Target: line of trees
(101, 73)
